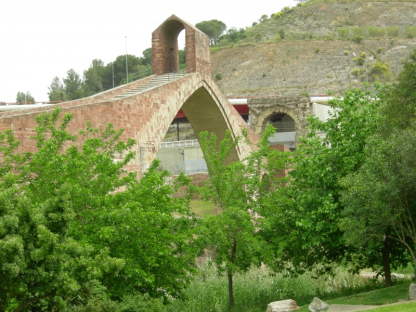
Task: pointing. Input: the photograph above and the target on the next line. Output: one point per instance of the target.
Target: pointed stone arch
(165, 48)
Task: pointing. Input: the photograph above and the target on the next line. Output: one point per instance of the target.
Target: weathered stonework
(262, 108)
(147, 116)
(144, 117)
(165, 48)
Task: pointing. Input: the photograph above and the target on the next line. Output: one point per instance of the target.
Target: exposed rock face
(293, 68)
(412, 291)
(318, 305)
(282, 306)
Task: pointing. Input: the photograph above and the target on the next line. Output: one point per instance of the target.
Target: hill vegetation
(316, 46)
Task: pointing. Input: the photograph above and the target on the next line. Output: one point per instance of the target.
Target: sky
(43, 39)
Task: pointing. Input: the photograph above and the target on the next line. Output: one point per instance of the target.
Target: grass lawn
(405, 307)
(203, 208)
(378, 297)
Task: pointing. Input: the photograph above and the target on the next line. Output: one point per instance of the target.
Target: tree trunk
(230, 290)
(386, 260)
(230, 275)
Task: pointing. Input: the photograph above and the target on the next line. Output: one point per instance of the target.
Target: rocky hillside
(317, 47)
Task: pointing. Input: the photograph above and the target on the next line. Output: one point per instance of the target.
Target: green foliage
(237, 189)
(384, 209)
(393, 31)
(302, 217)
(22, 97)
(401, 97)
(357, 31)
(278, 15)
(73, 85)
(41, 265)
(64, 226)
(386, 206)
(373, 31)
(359, 60)
(358, 39)
(282, 33)
(357, 72)
(263, 18)
(255, 289)
(343, 32)
(410, 31)
(56, 90)
(218, 76)
(213, 28)
(92, 82)
(379, 69)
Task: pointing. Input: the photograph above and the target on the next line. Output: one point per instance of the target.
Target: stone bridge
(145, 108)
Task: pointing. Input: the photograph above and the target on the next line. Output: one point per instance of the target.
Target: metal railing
(176, 74)
(185, 143)
(284, 126)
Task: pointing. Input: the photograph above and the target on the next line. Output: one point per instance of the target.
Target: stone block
(282, 306)
(318, 305)
(412, 291)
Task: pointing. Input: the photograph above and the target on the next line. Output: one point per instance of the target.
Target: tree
(304, 216)
(386, 205)
(213, 28)
(151, 230)
(236, 189)
(73, 86)
(379, 197)
(56, 90)
(41, 265)
(399, 98)
(263, 18)
(92, 82)
(22, 97)
(147, 57)
(66, 226)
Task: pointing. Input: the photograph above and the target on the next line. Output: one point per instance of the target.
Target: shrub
(278, 15)
(358, 39)
(393, 31)
(357, 31)
(410, 31)
(343, 32)
(379, 68)
(357, 71)
(282, 33)
(379, 50)
(263, 18)
(363, 55)
(360, 61)
(287, 10)
(317, 50)
(218, 76)
(254, 24)
(346, 52)
(373, 31)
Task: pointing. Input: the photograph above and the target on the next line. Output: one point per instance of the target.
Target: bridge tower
(165, 48)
